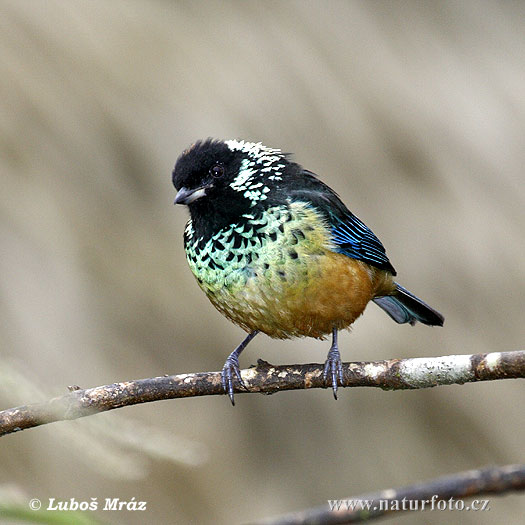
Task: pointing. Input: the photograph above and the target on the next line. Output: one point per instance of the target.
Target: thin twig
(394, 374)
(440, 494)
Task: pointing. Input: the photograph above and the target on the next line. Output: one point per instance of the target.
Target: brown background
(413, 111)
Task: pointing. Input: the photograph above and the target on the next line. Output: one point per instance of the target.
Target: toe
(230, 371)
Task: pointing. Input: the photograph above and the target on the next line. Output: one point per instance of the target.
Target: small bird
(276, 251)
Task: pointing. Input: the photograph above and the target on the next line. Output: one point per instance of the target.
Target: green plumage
(272, 255)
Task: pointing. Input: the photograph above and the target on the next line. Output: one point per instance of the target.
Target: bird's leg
(231, 367)
(333, 365)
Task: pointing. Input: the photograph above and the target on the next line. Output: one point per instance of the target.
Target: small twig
(423, 496)
(394, 374)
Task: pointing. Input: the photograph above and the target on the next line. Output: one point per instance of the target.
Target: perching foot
(333, 366)
(231, 368)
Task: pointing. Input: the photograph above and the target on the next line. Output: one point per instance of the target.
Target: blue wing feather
(354, 239)
(351, 236)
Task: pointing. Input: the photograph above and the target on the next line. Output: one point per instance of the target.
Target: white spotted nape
(262, 163)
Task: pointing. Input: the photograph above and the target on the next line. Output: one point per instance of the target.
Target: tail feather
(405, 307)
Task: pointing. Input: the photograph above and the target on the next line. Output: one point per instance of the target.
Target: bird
(277, 252)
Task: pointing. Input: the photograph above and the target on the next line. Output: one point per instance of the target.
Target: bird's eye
(217, 171)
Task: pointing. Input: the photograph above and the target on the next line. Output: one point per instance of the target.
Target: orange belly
(333, 293)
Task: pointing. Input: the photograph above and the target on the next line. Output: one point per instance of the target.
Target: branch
(394, 374)
(447, 489)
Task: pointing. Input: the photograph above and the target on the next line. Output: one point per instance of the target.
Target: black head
(222, 180)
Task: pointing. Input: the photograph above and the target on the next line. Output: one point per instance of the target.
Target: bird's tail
(405, 307)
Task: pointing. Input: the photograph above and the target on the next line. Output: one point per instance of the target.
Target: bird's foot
(229, 371)
(231, 367)
(333, 368)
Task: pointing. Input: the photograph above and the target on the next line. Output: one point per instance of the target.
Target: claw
(333, 365)
(231, 368)
(229, 371)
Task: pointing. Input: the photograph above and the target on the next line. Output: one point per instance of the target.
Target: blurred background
(413, 111)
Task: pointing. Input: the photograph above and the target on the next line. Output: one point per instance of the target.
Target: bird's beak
(187, 196)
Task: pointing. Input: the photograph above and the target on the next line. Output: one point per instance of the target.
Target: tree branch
(491, 480)
(394, 374)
